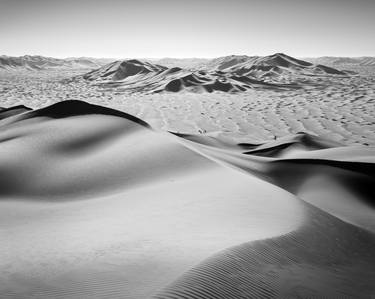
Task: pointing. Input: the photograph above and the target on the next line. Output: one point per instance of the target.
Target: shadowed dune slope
(94, 203)
(87, 147)
(7, 112)
(337, 179)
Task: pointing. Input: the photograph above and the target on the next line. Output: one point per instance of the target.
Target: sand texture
(98, 203)
(241, 98)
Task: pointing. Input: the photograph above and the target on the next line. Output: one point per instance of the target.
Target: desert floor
(341, 109)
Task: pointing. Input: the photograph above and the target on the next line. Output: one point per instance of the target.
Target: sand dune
(230, 74)
(278, 68)
(336, 179)
(37, 63)
(95, 203)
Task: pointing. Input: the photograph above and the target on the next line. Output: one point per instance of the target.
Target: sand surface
(96, 203)
(236, 177)
(334, 107)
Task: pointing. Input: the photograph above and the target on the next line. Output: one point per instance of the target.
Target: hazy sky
(187, 28)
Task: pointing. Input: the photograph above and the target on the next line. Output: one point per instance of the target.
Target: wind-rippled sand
(341, 109)
(96, 203)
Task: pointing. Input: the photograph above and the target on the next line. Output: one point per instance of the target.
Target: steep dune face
(95, 203)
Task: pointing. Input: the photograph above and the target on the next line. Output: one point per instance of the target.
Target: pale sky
(186, 28)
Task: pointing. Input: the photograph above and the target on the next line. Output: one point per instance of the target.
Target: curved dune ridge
(95, 203)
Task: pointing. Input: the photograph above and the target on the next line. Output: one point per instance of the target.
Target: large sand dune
(95, 203)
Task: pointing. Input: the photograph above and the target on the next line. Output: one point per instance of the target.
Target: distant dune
(95, 203)
(342, 61)
(226, 74)
(186, 63)
(37, 63)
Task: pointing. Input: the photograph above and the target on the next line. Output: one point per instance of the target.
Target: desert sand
(97, 203)
(236, 177)
(282, 96)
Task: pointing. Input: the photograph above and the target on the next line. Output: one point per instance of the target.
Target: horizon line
(187, 57)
